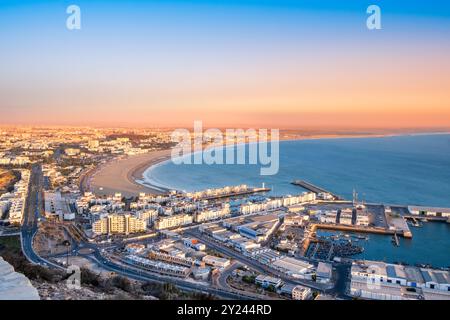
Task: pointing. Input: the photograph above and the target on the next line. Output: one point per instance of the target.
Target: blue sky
(172, 56)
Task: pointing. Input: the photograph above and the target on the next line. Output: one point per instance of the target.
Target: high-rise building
(173, 221)
(119, 224)
(148, 216)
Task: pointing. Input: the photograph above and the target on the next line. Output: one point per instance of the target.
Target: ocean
(405, 170)
(398, 170)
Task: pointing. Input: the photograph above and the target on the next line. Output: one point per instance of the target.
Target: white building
(430, 211)
(303, 198)
(295, 220)
(294, 267)
(194, 244)
(17, 198)
(148, 216)
(216, 261)
(301, 293)
(346, 217)
(217, 192)
(213, 214)
(324, 272)
(173, 221)
(384, 281)
(251, 207)
(201, 273)
(242, 244)
(362, 218)
(267, 281)
(57, 206)
(328, 216)
(118, 224)
(158, 266)
(16, 211)
(436, 279)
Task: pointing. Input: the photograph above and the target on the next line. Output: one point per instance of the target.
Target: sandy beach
(121, 175)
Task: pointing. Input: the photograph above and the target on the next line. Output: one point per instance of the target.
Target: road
(343, 279)
(222, 280)
(259, 267)
(32, 211)
(142, 275)
(223, 284)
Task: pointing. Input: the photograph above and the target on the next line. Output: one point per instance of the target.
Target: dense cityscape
(205, 159)
(148, 242)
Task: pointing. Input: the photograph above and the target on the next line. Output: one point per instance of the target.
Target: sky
(268, 63)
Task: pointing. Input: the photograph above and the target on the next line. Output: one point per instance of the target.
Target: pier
(313, 188)
(416, 218)
(340, 227)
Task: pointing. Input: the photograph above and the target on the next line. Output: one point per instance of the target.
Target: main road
(32, 211)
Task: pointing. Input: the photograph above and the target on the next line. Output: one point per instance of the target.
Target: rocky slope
(14, 285)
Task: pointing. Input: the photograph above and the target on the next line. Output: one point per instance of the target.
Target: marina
(328, 247)
(431, 237)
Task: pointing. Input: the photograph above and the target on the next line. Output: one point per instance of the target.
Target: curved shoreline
(149, 180)
(127, 175)
(156, 184)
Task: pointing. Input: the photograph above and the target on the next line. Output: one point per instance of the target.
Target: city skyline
(286, 64)
(208, 157)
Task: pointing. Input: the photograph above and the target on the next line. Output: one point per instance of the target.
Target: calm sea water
(397, 170)
(430, 245)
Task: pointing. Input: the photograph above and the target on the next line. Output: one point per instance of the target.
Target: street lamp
(67, 244)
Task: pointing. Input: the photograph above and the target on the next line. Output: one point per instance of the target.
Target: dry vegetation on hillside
(7, 179)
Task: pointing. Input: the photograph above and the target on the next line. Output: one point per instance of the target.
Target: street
(32, 210)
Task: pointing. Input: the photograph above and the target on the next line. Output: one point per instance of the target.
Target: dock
(313, 188)
(341, 227)
(416, 218)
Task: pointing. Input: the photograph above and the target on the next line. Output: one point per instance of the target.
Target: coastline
(122, 175)
(127, 175)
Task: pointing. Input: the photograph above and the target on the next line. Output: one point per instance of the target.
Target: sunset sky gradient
(273, 63)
